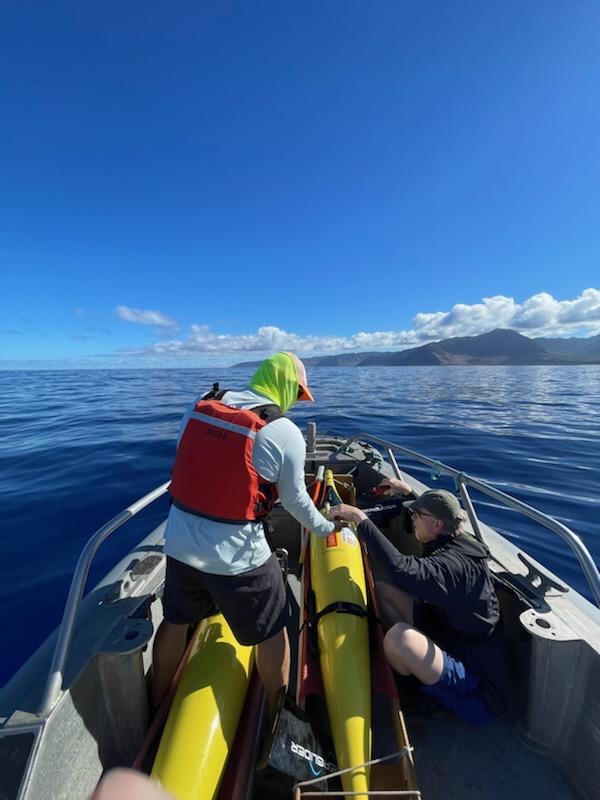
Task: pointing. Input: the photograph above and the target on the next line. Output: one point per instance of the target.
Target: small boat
(79, 706)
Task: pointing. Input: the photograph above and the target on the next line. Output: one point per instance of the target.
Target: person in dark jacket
(447, 630)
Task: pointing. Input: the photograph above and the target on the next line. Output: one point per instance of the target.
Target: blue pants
(459, 690)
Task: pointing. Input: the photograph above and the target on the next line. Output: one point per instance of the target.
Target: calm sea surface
(76, 447)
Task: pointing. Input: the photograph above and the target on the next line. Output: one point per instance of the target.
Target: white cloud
(269, 339)
(145, 317)
(539, 315)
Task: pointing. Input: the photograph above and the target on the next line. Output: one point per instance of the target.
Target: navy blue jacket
(458, 608)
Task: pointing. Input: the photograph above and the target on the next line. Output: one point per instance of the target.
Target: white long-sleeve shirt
(221, 548)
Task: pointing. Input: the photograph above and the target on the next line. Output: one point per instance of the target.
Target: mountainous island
(497, 347)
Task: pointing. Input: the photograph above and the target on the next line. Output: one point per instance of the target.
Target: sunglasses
(418, 513)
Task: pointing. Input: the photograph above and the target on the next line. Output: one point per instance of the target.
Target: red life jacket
(213, 474)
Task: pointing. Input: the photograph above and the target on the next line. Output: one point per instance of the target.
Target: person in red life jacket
(237, 451)
(444, 612)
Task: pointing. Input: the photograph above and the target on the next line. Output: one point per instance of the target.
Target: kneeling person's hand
(346, 513)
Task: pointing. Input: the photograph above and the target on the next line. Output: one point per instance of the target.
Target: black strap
(269, 412)
(339, 607)
(195, 513)
(215, 393)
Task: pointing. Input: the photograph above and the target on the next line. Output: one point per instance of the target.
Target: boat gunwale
(463, 479)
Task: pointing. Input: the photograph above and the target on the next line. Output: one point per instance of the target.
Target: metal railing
(67, 626)
(404, 753)
(462, 480)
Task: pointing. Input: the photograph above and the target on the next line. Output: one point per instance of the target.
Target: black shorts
(254, 603)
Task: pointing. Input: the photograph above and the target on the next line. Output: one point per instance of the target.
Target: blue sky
(185, 183)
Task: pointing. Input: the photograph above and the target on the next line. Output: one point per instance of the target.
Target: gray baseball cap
(439, 503)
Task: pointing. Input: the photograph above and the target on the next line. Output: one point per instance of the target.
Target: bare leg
(395, 605)
(410, 652)
(273, 665)
(169, 646)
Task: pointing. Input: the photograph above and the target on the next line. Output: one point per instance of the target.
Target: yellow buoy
(337, 576)
(204, 717)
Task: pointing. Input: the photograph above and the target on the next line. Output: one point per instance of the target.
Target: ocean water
(76, 447)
